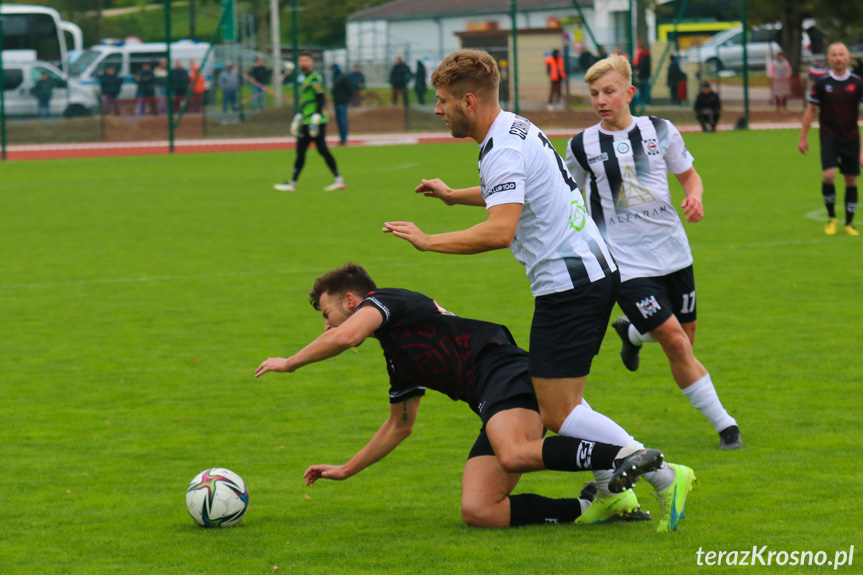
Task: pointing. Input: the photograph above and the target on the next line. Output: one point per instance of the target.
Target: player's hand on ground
(334, 472)
(279, 364)
(693, 209)
(435, 188)
(803, 146)
(407, 231)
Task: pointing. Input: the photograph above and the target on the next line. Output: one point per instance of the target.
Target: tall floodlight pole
(295, 44)
(2, 97)
(169, 92)
(276, 41)
(745, 64)
(514, 63)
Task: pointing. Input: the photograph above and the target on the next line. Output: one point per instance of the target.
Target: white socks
(702, 396)
(639, 338)
(584, 423)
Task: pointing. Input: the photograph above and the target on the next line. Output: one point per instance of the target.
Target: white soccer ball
(217, 497)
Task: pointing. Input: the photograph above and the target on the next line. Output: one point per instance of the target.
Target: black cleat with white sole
(630, 468)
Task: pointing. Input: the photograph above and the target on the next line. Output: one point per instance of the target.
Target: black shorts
(568, 328)
(845, 155)
(649, 302)
(503, 382)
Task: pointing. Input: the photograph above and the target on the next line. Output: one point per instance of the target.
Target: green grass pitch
(138, 295)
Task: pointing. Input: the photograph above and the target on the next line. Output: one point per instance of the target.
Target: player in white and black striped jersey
(622, 164)
(535, 210)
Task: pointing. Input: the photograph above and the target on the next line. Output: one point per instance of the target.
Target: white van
(21, 71)
(127, 57)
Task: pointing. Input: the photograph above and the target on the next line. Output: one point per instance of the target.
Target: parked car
(724, 51)
(21, 71)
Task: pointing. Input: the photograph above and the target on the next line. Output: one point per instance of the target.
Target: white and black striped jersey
(558, 244)
(625, 178)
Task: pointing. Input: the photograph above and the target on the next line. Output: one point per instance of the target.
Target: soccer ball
(217, 497)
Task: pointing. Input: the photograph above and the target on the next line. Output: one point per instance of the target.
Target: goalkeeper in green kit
(310, 125)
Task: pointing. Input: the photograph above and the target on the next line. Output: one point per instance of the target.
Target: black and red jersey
(838, 100)
(425, 346)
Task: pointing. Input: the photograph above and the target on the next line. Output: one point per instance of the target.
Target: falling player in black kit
(837, 97)
(477, 362)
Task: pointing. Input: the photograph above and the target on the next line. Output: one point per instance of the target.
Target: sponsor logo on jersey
(633, 193)
(600, 158)
(850, 88)
(648, 306)
(622, 149)
(520, 127)
(651, 147)
(502, 188)
(635, 216)
(828, 87)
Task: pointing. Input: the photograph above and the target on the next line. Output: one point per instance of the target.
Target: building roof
(425, 9)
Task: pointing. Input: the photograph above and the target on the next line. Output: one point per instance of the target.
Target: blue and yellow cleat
(672, 501)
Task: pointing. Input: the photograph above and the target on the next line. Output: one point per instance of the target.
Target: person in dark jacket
(707, 108)
(420, 85)
(111, 84)
(358, 84)
(146, 95)
(42, 92)
(342, 93)
(400, 76)
(261, 76)
(675, 77)
(180, 83)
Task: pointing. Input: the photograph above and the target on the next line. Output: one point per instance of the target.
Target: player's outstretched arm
(395, 429)
(693, 187)
(331, 343)
(437, 188)
(495, 233)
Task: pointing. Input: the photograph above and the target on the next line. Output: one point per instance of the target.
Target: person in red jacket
(557, 74)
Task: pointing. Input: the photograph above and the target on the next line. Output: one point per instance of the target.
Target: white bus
(127, 57)
(38, 28)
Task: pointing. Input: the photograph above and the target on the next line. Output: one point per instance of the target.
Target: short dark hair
(348, 278)
(306, 53)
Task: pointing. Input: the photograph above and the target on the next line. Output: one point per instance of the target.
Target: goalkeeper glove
(295, 125)
(314, 126)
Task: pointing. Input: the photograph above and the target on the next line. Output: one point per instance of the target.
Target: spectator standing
(229, 83)
(198, 83)
(342, 93)
(161, 74)
(420, 85)
(555, 69)
(358, 84)
(261, 79)
(779, 72)
(675, 77)
(707, 108)
(642, 66)
(400, 76)
(180, 81)
(42, 92)
(110, 84)
(146, 94)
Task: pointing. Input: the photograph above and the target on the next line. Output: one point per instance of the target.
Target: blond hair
(613, 63)
(468, 71)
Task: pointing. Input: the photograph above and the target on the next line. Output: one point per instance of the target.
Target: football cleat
(629, 351)
(337, 185)
(851, 230)
(630, 468)
(672, 501)
(607, 508)
(830, 228)
(729, 438)
(286, 187)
